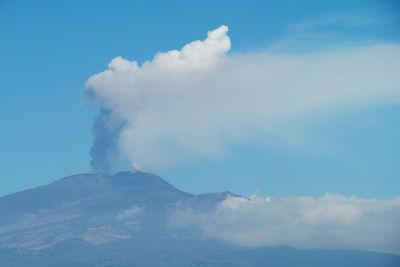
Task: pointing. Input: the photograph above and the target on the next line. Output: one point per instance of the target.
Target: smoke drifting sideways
(192, 104)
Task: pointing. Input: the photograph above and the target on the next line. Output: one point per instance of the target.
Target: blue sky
(50, 49)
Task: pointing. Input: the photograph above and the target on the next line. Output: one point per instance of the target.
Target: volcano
(122, 220)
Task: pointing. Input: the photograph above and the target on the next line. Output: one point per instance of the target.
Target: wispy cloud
(335, 30)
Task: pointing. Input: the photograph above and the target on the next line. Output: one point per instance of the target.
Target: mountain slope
(92, 207)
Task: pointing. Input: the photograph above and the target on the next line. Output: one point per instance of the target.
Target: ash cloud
(106, 130)
(192, 104)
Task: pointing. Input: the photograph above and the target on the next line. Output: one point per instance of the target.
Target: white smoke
(192, 103)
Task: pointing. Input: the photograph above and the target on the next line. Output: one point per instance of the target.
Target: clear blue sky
(48, 49)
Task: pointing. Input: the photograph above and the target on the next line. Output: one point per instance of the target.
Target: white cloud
(129, 213)
(192, 103)
(330, 221)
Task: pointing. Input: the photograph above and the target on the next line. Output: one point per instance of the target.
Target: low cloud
(129, 213)
(193, 103)
(330, 221)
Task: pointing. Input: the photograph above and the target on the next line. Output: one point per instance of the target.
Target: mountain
(122, 220)
(95, 208)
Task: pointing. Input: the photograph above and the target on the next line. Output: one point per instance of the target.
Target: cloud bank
(193, 103)
(330, 221)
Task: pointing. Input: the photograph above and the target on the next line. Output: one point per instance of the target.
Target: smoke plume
(193, 103)
(106, 130)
